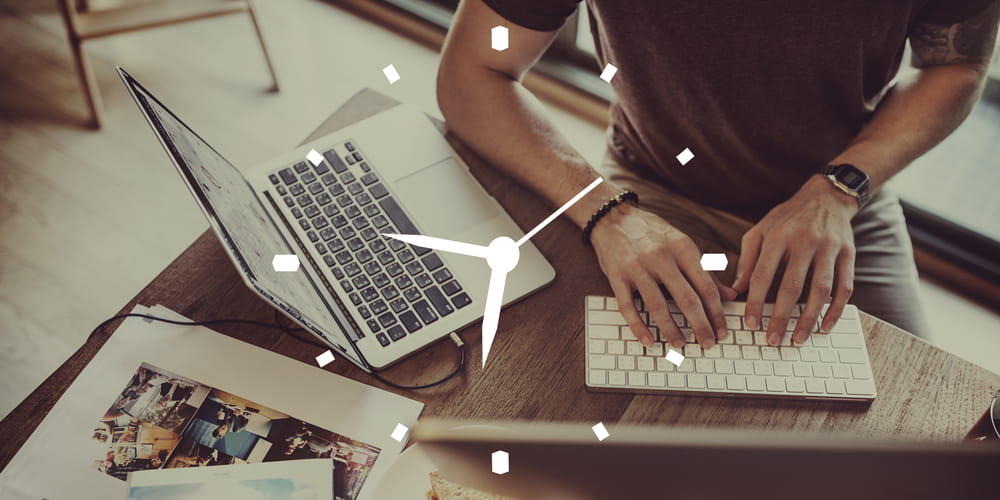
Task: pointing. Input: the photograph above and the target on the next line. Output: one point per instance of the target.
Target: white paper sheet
(57, 461)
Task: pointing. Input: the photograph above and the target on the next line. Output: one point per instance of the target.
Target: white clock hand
(559, 212)
(442, 244)
(494, 300)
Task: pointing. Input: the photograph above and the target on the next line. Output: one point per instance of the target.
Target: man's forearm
(917, 115)
(505, 124)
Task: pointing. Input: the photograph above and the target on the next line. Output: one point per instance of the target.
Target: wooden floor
(87, 218)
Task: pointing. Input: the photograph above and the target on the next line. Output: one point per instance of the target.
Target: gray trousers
(885, 275)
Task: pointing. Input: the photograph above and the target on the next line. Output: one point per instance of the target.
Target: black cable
(288, 330)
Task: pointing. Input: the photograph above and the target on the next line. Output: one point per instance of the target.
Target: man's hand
(809, 232)
(639, 251)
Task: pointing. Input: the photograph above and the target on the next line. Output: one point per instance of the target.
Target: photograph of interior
(790, 204)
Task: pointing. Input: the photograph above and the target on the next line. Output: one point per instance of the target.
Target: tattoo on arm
(969, 41)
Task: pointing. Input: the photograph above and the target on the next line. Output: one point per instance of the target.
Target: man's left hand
(809, 232)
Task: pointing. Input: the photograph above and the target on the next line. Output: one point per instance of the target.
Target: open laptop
(372, 299)
(567, 462)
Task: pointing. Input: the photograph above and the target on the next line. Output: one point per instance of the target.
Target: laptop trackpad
(445, 199)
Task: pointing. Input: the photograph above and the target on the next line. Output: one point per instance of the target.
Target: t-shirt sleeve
(538, 15)
(951, 11)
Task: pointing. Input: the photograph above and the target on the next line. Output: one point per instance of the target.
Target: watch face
(851, 177)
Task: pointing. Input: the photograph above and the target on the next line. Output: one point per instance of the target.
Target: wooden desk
(536, 370)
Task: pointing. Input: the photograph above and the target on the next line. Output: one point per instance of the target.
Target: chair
(83, 25)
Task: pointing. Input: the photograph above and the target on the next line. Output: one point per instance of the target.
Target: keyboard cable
(291, 331)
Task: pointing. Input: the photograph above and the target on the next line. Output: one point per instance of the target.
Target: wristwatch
(849, 179)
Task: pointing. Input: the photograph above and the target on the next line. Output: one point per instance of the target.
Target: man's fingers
(819, 293)
(760, 282)
(711, 301)
(626, 306)
(690, 304)
(656, 306)
(788, 295)
(749, 252)
(842, 290)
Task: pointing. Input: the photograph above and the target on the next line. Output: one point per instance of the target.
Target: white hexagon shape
(714, 261)
(499, 36)
(501, 462)
(285, 263)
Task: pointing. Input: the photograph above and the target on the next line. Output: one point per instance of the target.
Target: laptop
(568, 462)
(373, 300)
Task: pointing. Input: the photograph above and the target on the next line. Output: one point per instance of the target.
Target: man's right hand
(639, 251)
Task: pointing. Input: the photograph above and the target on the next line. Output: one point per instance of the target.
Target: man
(766, 95)
(230, 419)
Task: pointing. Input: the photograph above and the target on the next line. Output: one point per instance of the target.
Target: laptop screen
(239, 218)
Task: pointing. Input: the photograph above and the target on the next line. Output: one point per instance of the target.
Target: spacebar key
(399, 218)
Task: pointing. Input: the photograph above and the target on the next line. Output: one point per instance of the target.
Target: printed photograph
(160, 398)
(234, 426)
(191, 454)
(132, 446)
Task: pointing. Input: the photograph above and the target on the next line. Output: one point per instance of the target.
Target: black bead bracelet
(605, 209)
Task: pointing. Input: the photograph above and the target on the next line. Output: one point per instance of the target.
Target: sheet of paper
(158, 395)
(294, 480)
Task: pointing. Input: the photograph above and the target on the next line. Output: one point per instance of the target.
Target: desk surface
(536, 368)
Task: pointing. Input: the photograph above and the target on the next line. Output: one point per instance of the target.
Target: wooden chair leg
(89, 83)
(263, 46)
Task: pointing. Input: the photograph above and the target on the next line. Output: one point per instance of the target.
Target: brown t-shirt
(764, 93)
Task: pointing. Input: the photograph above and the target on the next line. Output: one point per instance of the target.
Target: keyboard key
(835, 386)
(692, 351)
(379, 306)
(859, 387)
(763, 367)
(626, 363)
(461, 300)
(595, 346)
(396, 332)
(369, 179)
(796, 385)
(296, 189)
(802, 370)
(336, 190)
(605, 318)
(349, 145)
(789, 354)
(644, 363)
(715, 352)
(387, 319)
(423, 280)
(716, 381)
(432, 262)
(328, 179)
(616, 347)
(330, 262)
(287, 175)
(410, 321)
(335, 161)
(821, 370)
(398, 305)
(273, 178)
(356, 156)
(736, 382)
(663, 365)
(633, 348)
(755, 383)
(744, 338)
(365, 167)
(301, 167)
(439, 301)
(770, 353)
(603, 331)
(656, 379)
(355, 189)
(703, 365)
(750, 352)
(382, 339)
(842, 371)
(845, 341)
(309, 178)
(369, 294)
(403, 282)
(616, 378)
(602, 362)
(775, 384)
(636, 379)
(412, 294)
(390, 292)
(686, 366)
(861, 372)
(381, 280)
(696, 381)
(360, 281)
(814, 386)
(405, 256)
(442, 275)
(783, 368)
(352, 269)
(852, 356)
(365, 256)
(379, 221)
(423, 309)
(597, 377)
(809, 354)
(731, 351)
(676, 380)
(655, 350)
(743, 367)
(379, 191)
(355, 299)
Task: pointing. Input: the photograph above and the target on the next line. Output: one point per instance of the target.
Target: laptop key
(394, 269)
(316, 188)
(382, 339)
(352, 269)
(330, 262)
(312, 236)
(350, 159)
(274, 179)
(420, 251)
(344, 200)
(387, 319)
(337, 272)
(369, 234)
(346, 285)
(381, 280)
(360, 222)
(301, 167)
(360, 281)
(377, 246)
(379, 221)
(323, 199)
(328, 179)
(461, 300)
(349, 145)
(410, 321)
(405, 256)
(336, 190)
(321, 248)
(372, 268)
(398, 306)
(335, 162)
(308, 178)
(357, 156)
(365, 256)
(385, 257)
(304, 223)
(304, 200)
(330, 210)
(439, 301)
(354, 298)
(379, 306)
(442, 275)
(288, 176)
(396, 332)
(344, 257)
(312, 211)
(414, 268)
(347, 178)
(327, 234)
(369, 179)
(296, 213)
(390, 292)
(321, 168)
(289, 201)
(412, 294)
(320, 222)
(296, 189)
(355, 244)
(281, 190)
(372, 210)
(348, 233)
(451, 288)
(395, 244)
(352, 212)
(339, 221)
(364, 199)
(374, 326)
(424, 310)
(365, 167)
(369, 294)
(403, 282)
(432, 262)
(355, 189)
(423, 280)
(396, 214)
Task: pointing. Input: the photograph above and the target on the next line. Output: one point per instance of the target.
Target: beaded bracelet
(605, 209)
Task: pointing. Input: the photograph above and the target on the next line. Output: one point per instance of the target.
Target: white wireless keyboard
(830, 365)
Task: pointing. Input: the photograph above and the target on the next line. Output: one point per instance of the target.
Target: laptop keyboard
(343, 208)
(830, 365)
